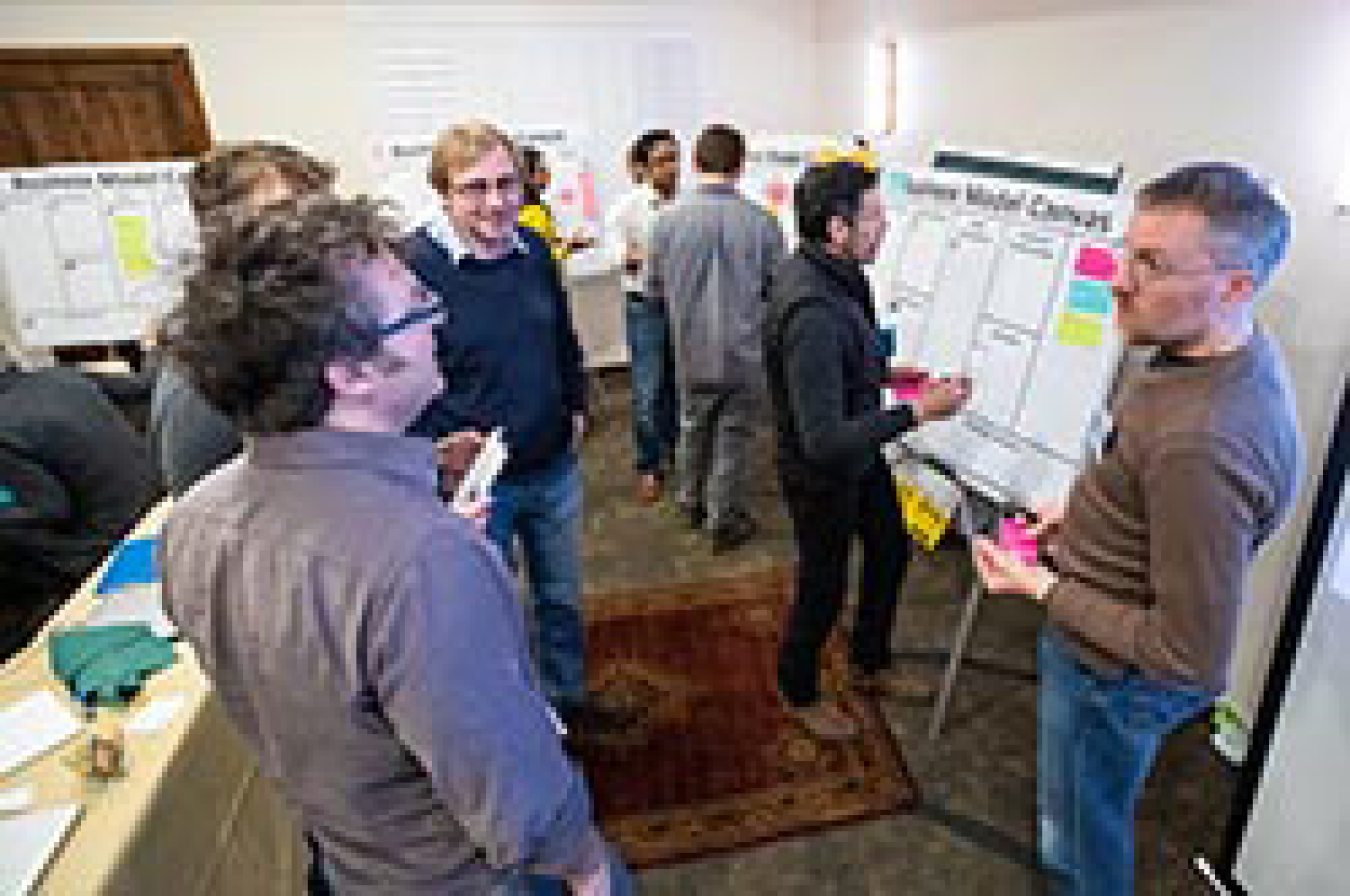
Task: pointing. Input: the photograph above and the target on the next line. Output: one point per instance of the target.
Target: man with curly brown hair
(367, 643)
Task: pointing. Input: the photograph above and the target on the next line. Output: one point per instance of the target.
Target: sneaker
(894, 684)
(732, 532)
(648, 488)
(825, 719)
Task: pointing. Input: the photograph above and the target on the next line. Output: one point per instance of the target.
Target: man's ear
(1239, 287)
(837, 231)
(348, 379)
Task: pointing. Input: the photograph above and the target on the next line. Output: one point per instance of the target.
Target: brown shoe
(649, 488)
(825, 719)
(894, 684)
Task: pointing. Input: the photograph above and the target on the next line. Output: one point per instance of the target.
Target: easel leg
(954, 656)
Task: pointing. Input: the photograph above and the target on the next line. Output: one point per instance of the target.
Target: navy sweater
(507, 349)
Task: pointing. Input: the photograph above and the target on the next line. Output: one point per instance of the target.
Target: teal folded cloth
(107, 664)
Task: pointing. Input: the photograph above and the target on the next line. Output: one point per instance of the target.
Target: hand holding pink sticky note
(1015, 538)
(907, 383)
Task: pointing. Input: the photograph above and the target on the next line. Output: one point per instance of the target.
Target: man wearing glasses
(367, 644)
(1153, 547)
(511, 359)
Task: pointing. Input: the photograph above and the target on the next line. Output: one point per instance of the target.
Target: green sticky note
(1083, 330)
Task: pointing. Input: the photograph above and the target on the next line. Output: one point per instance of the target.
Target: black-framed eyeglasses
(478, 188)
(427, 311)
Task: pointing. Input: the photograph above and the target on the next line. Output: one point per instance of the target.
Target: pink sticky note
(590, 208)
(1096, 263)
(1014, 538)
(777, 193)
(907, 385)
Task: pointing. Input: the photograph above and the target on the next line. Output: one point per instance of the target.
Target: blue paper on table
(133, 563)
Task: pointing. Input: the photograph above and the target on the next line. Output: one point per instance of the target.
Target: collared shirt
(439, 228)
(370, 646)
(630, 222)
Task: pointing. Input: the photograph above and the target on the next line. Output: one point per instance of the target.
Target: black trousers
(826, 519)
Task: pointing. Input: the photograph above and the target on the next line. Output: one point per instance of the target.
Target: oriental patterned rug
(713, 763)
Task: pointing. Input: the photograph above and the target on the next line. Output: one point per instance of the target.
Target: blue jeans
(1098, 739)
(656, 417)
(543, 509)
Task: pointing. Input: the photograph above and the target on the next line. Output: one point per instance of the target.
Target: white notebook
(32, 726)
(27, 844)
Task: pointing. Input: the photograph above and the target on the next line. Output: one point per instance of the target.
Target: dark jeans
(542, 510)
(656, 416)
(825, 521)
(1097, 741)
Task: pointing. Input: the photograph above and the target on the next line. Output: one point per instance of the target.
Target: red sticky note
(1096, 263)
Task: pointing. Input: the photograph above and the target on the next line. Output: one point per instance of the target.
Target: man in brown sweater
(1153, 547)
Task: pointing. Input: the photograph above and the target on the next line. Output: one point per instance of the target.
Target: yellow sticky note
(924, 520)
(1079, 329)
(133, 245)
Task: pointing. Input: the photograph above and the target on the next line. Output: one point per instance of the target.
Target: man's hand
(595, 883)
(1002, 573)
(633, 257)
(594, 878)
(1048, 518)
(941, 398)
(455, 453)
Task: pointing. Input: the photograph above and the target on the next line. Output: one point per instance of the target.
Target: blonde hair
(461, 146)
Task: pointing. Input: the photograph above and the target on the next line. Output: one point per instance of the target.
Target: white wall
(1263, 81)
(300, 72)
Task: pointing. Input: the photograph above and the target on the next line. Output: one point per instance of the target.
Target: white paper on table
(28, 842)
(132, 604)
(16, 799)
(156, 714)
(31, 727)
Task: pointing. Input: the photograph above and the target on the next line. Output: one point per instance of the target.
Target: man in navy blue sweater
(511, 359)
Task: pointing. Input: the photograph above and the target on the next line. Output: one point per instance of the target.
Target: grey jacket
(189, 436)
(711, 256)
(370, 646)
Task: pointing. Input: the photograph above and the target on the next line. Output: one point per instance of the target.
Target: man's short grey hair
(1249, 224)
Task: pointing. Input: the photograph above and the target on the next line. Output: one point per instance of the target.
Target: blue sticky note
(894, 189)
(133, 563)
(1090, 297)
(8, 498)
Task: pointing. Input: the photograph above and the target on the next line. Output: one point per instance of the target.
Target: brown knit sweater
(1158, 534)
